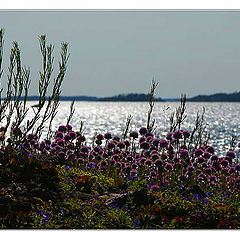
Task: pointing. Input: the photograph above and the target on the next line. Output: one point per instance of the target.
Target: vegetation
(133, 181)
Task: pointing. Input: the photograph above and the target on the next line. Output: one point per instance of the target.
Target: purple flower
(186, 134)
(133, 172)
(121, 145)
(231, 170)
(153, 173)
(134, 166)
(237, 167)
(142, 139)
(238, 180)
(155, 156)
(148, 163)
(127, 143)
(133, 134)
(177, 135)
(61, 154)
(72, 134)
(48, 142)
(198, 152)
(111, 145)
(81, 138)
(231, 154)
(67, 137)
(213, 178)
(158, 163)
(168, 166)
(69, 127)
(67, 168)
(17, 132)
(169, 136)
(156, 142)
(137, 224)
(107, 136)
(206, 155)
(200, 160)
(98, 142)
(84, 149)
(59, 135)
(210, 149)
(144, 145)
(224, 162)
(163, 143)
(100, 137)
(143, 131)
(208, 170)
(30, 136)
(184, 154)
(46, 217)
(116, 138)
(62, 128)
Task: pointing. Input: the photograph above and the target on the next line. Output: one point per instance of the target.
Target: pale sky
(113, 52)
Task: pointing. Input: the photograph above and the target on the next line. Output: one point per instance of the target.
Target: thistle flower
(142, 139)
(153, 173)
(158, 163)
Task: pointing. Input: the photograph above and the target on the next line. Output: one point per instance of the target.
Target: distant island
(141, 97)
(217, 97)
(131, 97)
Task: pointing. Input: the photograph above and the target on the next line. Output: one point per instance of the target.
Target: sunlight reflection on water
(101, 117)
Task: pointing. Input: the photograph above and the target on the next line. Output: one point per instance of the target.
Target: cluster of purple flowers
(160, 161)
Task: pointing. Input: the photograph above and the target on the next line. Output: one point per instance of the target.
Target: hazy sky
(113, 52)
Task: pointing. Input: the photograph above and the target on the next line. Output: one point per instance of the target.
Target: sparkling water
(100, 117)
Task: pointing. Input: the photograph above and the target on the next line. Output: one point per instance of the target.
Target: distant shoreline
(134, 97)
